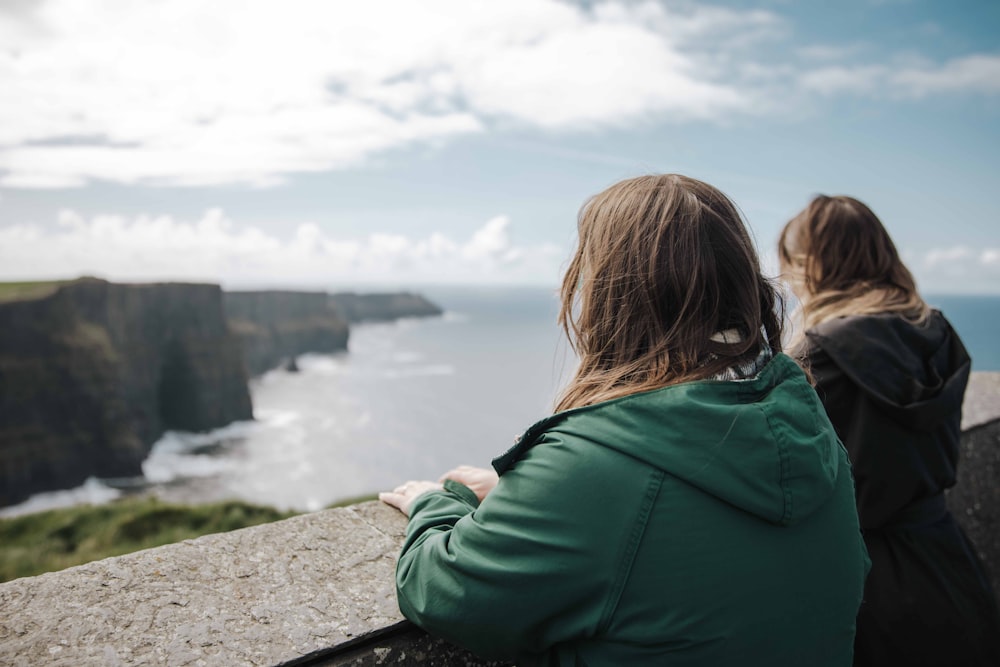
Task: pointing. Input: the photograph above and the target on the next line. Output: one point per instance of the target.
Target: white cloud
(957, 268)
(976, 74)
(185, 92)
(248, 91)
(217, 249)
(491, 244)
(835, 80)
(827, 51)
(947, 256)
(698, 26)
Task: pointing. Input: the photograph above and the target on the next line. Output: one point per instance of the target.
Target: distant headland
(92, 373)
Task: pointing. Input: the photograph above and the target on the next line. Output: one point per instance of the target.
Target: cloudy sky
(325, 143)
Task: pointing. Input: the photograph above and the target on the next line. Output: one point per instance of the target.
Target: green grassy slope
(28, 290)
(56, 539)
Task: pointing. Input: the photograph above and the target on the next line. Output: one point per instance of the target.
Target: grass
(31, 289)
(61, 538)
(353, 500)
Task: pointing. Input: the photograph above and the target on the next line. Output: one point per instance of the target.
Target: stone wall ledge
(316, 589)
(982, 400)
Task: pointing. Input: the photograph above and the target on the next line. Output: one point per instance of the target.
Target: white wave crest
(277, 418)
(322, 364)
(175, 455)
(92, 492)
(419, 371)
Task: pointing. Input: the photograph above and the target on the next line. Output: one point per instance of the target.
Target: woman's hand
(402, 496)
(480, 480)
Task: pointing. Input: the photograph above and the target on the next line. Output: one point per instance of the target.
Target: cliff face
(379, 307)
(93, 373)
(275, 326)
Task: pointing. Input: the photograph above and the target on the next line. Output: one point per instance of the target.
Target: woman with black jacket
(891, 373)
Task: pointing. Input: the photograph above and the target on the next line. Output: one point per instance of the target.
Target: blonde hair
(663, 263)
(840, 260)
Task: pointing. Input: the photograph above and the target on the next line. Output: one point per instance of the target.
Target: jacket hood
(916, 373)
(763, 445)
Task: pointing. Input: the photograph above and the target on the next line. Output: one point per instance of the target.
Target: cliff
(275, 326)
(381, 306)
(92, 373)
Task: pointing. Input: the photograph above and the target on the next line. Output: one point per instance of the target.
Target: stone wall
(313, 590)
(975, 498)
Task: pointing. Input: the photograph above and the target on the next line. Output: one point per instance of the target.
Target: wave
(418, 371)
(91, 492)
(275, 418)
(179, 454)
(328, 363)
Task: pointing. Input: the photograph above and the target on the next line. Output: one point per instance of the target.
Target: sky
(388, 143)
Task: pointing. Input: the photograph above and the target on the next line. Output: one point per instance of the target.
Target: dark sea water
(409, 400)
(977, 321)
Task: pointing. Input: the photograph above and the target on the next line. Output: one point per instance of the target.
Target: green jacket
(706, 523)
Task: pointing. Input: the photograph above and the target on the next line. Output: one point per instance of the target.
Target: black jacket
(894, 391)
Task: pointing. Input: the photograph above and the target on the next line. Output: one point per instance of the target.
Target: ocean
(408, 400)
(977, 321)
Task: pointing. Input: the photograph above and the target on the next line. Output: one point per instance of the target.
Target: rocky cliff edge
(92, 373)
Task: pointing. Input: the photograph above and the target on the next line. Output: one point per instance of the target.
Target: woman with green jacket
(687, 504)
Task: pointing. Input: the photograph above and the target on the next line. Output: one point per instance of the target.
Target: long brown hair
(840, 260)
(663, 263)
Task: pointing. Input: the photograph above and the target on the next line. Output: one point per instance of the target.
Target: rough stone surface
(259, 596)
(982, 400)
(404, 644)
(975, 498)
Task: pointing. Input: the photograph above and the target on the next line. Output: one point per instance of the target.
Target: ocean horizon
(976, 318)
(409, 400)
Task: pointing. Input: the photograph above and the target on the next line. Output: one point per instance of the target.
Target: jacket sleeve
(531, 567)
